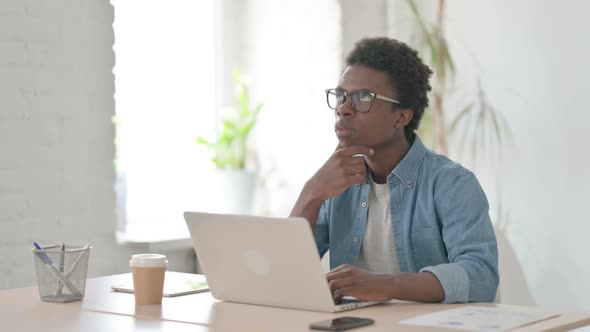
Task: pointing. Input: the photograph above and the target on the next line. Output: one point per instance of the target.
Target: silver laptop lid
(260, 260)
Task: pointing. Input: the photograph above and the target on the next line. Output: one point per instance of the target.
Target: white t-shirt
(378, 252)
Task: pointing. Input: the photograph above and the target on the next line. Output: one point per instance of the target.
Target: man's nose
(345, 109)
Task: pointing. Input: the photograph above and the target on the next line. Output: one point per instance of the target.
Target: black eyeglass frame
(347, 94)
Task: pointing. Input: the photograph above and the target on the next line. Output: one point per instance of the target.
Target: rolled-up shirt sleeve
(472, 272)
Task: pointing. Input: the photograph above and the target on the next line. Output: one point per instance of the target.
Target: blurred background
(117, 117)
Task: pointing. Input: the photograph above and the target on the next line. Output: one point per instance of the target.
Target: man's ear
(405, 116)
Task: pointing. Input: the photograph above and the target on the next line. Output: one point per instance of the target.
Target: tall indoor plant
(478, 126)
(229, 152)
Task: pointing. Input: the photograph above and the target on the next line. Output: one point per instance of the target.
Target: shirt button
(409, 182)
(356, 239)
(364, 204)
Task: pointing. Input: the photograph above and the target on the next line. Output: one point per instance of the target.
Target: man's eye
(365, 96)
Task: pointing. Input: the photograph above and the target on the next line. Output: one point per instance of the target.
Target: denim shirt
(440, 225)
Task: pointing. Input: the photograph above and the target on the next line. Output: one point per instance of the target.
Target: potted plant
(229, 152)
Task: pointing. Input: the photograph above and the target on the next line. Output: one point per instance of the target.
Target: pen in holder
(61, 271)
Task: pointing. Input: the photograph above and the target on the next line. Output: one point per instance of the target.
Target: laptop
(264, 261)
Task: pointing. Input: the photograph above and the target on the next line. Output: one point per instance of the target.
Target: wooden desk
(22, 310)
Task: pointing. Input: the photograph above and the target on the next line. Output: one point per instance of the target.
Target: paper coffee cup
(148, 277)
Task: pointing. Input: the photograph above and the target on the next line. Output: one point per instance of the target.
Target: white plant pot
(237, 189)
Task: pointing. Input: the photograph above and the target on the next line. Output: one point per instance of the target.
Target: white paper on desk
(475, 318)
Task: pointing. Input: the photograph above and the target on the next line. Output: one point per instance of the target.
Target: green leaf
(466, 132)
(478, 127)
(479, 141)
(245, 130)
(243, 101)
(447, 55)
(257, 109)
(495, 124)
(229, 125)
(237, 75)
(229, 149)
(201, 140)
(459, 117)
(421, 22)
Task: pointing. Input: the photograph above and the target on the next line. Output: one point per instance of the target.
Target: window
(165, 97)
(294, 51)
(169, 75)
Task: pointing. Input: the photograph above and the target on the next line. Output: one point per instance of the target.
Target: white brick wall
(56, 133)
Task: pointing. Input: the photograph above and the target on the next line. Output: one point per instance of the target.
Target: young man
(401, 221)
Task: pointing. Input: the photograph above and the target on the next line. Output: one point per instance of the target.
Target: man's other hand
(347, 280)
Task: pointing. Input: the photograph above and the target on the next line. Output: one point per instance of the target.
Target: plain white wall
(534, 59)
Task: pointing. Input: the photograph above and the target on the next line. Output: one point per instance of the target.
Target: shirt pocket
(427, 247)
(420, 236)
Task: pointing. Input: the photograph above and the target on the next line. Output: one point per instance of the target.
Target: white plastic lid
(148, 260)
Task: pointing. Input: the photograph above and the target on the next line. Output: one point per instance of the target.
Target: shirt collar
(407, 169)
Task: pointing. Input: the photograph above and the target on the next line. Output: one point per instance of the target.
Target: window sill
(154, 239)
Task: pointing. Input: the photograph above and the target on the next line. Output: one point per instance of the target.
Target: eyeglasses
(361, 100)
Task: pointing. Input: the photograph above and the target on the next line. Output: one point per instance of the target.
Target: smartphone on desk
(341, 324)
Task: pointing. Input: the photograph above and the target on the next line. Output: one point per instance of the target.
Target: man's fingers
(340, 267)
(353, 161)
(339, 283)
(338, 272)
(335, 272)
(355, 179)
(352, 290)
(355, 170)
(343, 287)
(354, 150)
(339, 146)
(336, 295)
(334, 275)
